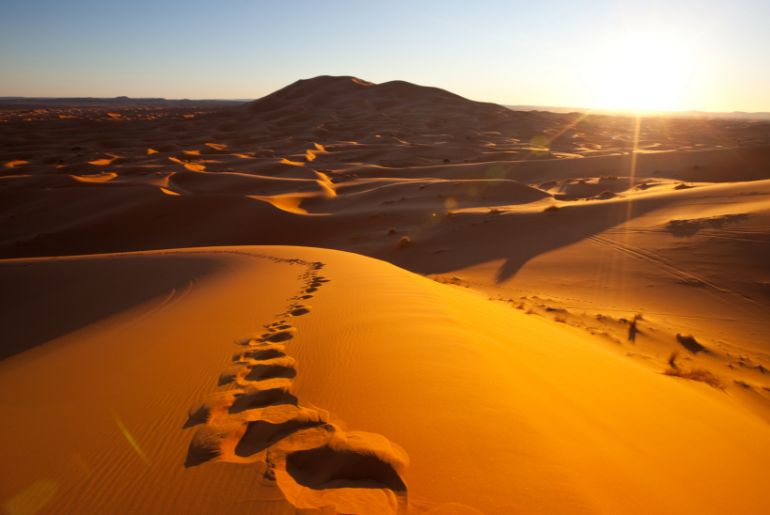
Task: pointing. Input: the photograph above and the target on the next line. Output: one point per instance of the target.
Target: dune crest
(15, 163)
(104, 161)
(189, 165)
(286, 161)
(314, 462)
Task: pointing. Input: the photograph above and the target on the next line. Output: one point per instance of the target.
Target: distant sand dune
(15, 162)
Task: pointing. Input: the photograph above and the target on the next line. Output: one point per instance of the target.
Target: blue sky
(596, 53)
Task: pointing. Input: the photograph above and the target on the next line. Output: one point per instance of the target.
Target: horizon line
(516, 107)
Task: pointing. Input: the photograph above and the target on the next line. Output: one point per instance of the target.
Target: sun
(646, 71)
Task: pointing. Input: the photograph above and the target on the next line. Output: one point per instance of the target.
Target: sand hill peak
(360, 104)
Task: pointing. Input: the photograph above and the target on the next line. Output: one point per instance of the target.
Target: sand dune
(524, 415)
(559, 318)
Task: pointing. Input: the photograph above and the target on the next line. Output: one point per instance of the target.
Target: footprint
(260, 372)
(311, 472)
(282, 366)
(299, 311)
(261, 434)
(261, 399)
(264, 354)
(280, 336)
(325, 467)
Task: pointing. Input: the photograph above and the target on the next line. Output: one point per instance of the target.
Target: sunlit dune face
(96, 178)
(15, 163)
(643, 72)
(326, 184)
(289, 162)
(169, 192)
(193, 167)
(104, 161)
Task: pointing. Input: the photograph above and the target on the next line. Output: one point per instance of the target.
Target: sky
(657, 55)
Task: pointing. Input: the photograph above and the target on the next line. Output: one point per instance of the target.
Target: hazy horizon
(664, 56)
(556, 108)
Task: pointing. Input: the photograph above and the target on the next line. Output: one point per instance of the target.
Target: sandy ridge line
(241, 250)
(257, 419)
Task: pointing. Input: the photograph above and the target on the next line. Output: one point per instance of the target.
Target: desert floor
(357, 298)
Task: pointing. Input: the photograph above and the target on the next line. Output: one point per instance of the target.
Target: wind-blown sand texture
(522, 313)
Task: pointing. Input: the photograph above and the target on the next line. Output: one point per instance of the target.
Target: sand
(357, 298)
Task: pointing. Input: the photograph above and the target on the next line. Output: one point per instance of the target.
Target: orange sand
(526, 312)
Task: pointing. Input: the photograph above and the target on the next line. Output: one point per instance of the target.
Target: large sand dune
(270, 362)
(565, 313)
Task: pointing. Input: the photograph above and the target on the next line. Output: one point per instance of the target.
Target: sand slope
(368, 388)
(95, 417)
(588, 332)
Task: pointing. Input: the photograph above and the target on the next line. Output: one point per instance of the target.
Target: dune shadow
(261, 434)
(44, 300)
(271, 371)
(520, 237)
(261, 399)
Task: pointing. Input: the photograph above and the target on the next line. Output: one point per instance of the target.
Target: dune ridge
(458, 381)
(315, 463)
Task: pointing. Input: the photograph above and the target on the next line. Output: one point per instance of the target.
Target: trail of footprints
(256, 418)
